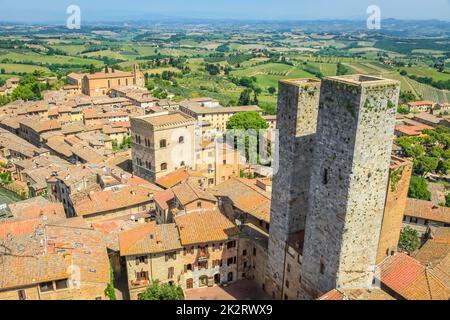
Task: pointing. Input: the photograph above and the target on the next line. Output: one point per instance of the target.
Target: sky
(32, 11)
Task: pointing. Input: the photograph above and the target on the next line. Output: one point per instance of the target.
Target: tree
(341, 70)
(114, 144)
(447, 200)
(247, 120)
(2, 71)
(110, 292)
(409, 240)
(36, 90)
(244, 99)
(272, 90)
(424, 165)
(407, 96)
(165, 291)
(212, 69)
(91, 69)
(418, 189)
(403, 109)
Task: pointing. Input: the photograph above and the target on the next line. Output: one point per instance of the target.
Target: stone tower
(351, 162)
(394, 210)
(298, 104)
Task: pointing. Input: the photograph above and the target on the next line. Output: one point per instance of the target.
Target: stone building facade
(100, 83)
(298, 104)
(349, 179)
(162, 143)
(394, 210)
(181, 253)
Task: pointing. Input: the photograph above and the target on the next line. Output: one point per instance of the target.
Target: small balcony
(202, 256)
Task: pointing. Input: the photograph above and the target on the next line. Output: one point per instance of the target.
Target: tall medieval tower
(350, 171)
(298, 104)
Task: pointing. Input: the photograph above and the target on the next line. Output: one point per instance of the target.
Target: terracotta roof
(37, 207)
(187, 193)
(107, 200)
(199, 109)
(427, 286)
(167, 119)
(149, 238)
(111, 229)
(75, 75)
(413, 281)
(421, 103)
(246, 196)
(356, 294)
(427, 210)
(333, 295)
(163, 198)
(204, 226)
(38, 253)
(39, 125)
(176, 177)
(104, 75)
(399, 271)
(436, 249)
(413, 130)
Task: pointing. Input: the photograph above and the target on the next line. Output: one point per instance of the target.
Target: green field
(19, 68)
(269, 74)
(32, 57)
(428, 72)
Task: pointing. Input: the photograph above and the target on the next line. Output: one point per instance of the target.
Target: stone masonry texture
(352, 154)
(298, 103)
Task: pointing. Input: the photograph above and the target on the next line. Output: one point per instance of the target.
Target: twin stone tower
(335, 142)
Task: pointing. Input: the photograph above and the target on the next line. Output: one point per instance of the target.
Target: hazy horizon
(54, 11)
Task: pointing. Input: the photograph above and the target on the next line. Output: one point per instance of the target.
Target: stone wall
(175, 155)
(397, 194)
(349, 180)
(298, 102)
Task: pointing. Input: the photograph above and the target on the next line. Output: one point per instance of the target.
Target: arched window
(181, 139)
(164, 166)
(199, 204)
(163, 143)
(182, 164)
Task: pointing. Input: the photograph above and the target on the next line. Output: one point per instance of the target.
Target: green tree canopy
(272, 90)
(162, 291)
(403, 109)
(247, 120)
(424, 165)
(409, 240)
(418, 189)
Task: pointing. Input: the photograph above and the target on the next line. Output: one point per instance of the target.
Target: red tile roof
(427, 210)
(399, 271)
(163, 198)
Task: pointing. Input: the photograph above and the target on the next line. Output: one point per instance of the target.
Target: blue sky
(114, 10)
